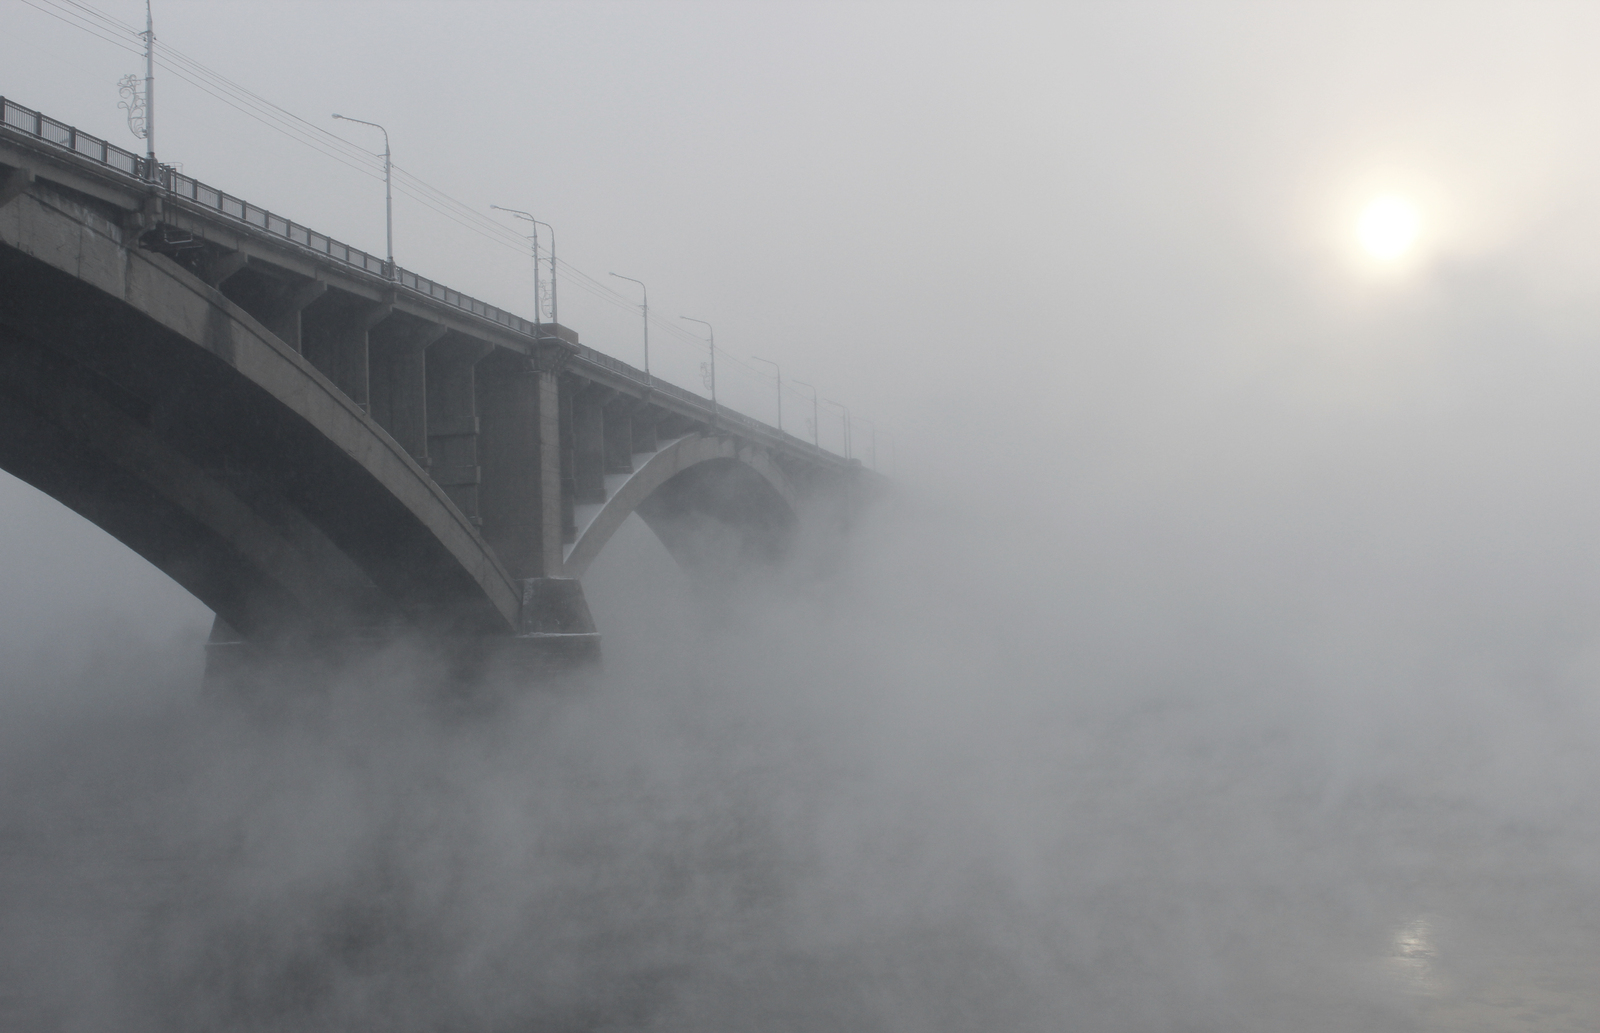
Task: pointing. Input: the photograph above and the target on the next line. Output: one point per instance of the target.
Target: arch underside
(710, 500)
(142, 399)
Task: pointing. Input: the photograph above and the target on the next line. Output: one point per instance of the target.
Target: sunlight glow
(1388, 227)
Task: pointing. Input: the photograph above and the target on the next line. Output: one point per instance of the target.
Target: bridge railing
(48, 129)
(135, 166)
(45, 128)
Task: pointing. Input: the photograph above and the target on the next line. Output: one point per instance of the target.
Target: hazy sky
(919, 208)
(1244, 582)
(1051, 223)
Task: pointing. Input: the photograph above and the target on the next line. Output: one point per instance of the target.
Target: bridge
(323, 447)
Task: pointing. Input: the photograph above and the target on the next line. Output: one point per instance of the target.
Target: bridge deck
(334, 436)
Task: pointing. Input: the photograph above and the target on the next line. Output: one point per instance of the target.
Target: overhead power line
(66, 15)
(118, 33)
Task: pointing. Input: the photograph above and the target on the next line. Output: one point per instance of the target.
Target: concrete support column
(617, 434)
(589, 444)
(556, 513)
(218, 267)
(453, 418)
(519, 443)
(397, 356)
(272, 300)
(644, 428)
(568, 387)
(283, 316)
(334, 338)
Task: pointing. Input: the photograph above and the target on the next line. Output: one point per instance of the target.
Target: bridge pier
(617, 434)
(519, 498)
(283, 315)
(556, 638)
(334, 339)
(398, 382)
(453, 426)
(567, 391)
(643, 425)
(275, 301)
(589, 444)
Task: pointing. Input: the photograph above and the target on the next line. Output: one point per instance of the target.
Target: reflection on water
(1508, 987)
(1414, 955)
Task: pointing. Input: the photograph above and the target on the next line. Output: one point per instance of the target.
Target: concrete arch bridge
(317, 445)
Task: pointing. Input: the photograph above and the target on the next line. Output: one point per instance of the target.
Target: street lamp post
(149, 94)
(872, 441)
(141, 107)
(645, 308)
(815, 437)
(555, 316)
(777, 376)
(538, 316)
(713, 346)
(388, 192)
(846, 411)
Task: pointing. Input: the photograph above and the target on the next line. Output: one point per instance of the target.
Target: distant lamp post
(538, 307)
(555, 316)
(713, 366)
(777, 377)
(645, 308)
(388, 192)
(872, 446)
(814, 435)
(846, 411)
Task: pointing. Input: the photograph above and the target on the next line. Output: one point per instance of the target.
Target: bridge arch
(696, 479)
(145, 400)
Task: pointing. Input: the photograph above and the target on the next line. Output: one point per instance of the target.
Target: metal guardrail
(176, 184)
(134, 166)
(49, 130)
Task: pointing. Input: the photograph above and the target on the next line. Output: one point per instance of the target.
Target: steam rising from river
(1228, 661)
(1291, 738)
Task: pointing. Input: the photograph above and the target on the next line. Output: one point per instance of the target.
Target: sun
(1388, 227)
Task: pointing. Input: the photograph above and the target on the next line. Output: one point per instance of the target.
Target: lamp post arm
(777, 377)
(815, 436)
(713, 346)
(388, 188)
(873, 427)
(846, 411)
(519, 213)
(645, 308)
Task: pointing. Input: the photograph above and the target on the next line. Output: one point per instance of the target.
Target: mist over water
(1310, 748)
(1225, 659)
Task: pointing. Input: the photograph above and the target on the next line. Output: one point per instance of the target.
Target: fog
(1224, 658)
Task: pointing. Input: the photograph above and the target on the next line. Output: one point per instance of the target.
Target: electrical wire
(286, 123)
(79, 16)
(90, 29)
(369, 171)
(98, 23)
(111, 20)
(218, 86)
